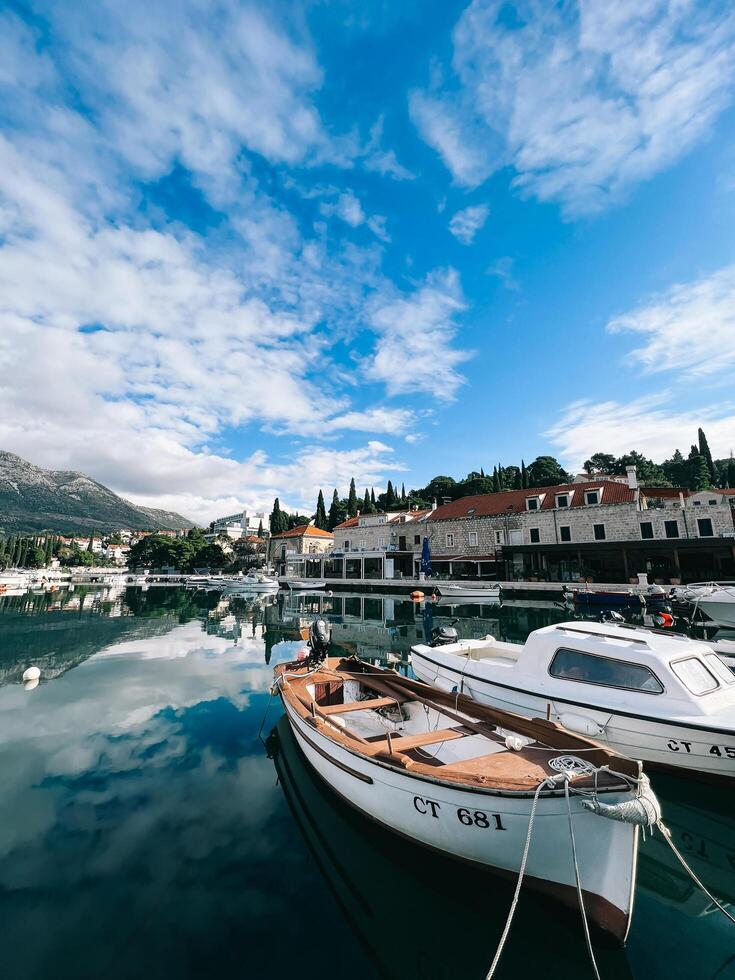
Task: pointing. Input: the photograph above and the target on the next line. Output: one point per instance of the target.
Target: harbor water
(157, 819)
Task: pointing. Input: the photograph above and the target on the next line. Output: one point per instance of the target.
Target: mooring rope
(582, 909)
(667, 837)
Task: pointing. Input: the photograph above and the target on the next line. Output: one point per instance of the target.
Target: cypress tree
(730, 472)
(23, 553)
(320, 520)
(372, 498)
(482, 473)
(90, 546)
(496, 480)
(704, 450)
(48, 549)
(366, 508)
(390, 496)
(524, 476)
(335, 512)
(352, 499)
(403, 493)
(279, 521)
(260, 530)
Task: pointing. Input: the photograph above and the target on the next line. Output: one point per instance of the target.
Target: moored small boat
(660, 697)
(306, 584)
(450, 590)
(465, 780)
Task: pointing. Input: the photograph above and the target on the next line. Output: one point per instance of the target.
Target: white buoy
(31, 685)
(31, 674)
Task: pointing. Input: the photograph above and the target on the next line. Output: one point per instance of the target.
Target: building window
(697, 503)
(562, 500)
(362, 544)
(473, 539)
(565, 533)
(417, 539)
(532, 503)
(450, 541)
(671, 529)
(599, 532)
(381, 542)
(592, 497)
(498, 537)
(712, 503)
(535, 535)
(362, 522)
(347, 546)
(646, 530)
(381, 520)
(704, 524)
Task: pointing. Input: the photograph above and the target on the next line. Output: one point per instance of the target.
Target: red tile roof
(514, 501)
(350, 522)
(304, 530)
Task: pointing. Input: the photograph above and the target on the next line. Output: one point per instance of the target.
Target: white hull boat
(490, 593)
(463, 780)
(663, 698)
(715, 599)
(252, 583)
(311, 585)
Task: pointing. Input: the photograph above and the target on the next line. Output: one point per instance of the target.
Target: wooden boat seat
(371, 705)
(528, 763)
(402, 743)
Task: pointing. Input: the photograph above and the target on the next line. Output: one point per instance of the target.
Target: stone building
(602, 529)
(303, 540)
(400, 534)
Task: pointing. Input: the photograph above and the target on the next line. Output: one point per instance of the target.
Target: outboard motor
(441, 636)
(319, 639)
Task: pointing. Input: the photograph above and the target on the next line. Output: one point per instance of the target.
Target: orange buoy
(417, 594)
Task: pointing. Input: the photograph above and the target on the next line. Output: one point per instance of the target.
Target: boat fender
(581, 725)
(417, 594)
(644, 810)
(31, 674)
(514, 742)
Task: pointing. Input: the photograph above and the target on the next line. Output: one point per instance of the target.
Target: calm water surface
(147, 831)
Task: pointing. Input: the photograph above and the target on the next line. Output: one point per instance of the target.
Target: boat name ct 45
(663, 698)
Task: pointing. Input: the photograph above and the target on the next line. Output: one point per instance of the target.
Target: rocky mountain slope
(33, 499)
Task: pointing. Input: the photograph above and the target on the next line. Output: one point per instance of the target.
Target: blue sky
(257, 249)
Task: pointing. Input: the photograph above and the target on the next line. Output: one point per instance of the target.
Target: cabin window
(565, 533)
(532, 503)
(562, 500)
(671, 529)
(646, 530)
(695, 676)
(473, 539)
(599, 532)
(573, 665)
(720, 668)
(535, 535)
(450, 541)
(592, 497)
(704, 524)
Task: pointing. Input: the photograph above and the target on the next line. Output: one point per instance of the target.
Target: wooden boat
(586, 599)
(464, 779)
(660, 697)
(306, 584)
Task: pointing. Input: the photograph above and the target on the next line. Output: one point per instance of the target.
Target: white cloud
(348, 208)
(383, 162)
(582, 99)
(378, 225)
(691, 328)
(502, 269)
(465, 224)
(414, 351)
(653, 426)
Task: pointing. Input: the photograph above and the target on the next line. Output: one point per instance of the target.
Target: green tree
(390, 496)
(524, 476)
(545, 471)
(337, 512)
(403, 493)
(279, 521)
(374, 506)
(352, 499)
(23, 553)
(48, 549)
(704, 451)
(496, 480)
(90, 546)
(261, 533)
(320, 519)
(600, 463)
(35, 557)
(676, 470)
(698, 474)
(649, 474)
(730, 473)
(366, 505)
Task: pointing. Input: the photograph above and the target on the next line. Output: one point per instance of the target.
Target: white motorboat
(715, 599)
(252, 583)
(724, 646)
(488, 593)
(663, 698)
(134, 579)
(465, 780)
(312, 585)
(12, 580)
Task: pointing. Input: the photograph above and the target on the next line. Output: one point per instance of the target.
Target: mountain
(33, 499)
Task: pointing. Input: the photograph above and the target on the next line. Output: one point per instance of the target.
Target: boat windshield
(573, 665)
(720, 668)
(695, 676)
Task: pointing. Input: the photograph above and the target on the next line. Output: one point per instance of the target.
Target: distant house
(303, 540)
(400, 533)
